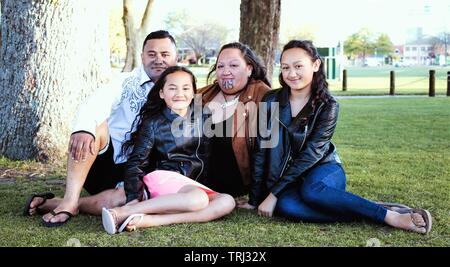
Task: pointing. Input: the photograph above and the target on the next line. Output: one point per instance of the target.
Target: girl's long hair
(154, 105)
(319, 86)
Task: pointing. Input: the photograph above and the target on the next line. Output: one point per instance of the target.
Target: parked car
(372, 62)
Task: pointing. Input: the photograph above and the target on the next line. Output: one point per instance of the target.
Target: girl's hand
(267, 207)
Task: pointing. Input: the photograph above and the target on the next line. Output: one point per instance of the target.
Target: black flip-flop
(397, 207)
(45, 196)
(56, 224)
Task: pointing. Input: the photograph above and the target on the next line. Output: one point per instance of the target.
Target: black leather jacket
(159, 148)
(299, 144)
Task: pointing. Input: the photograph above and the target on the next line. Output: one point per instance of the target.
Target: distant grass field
(376, 80)
(394, 149)
(372, 80)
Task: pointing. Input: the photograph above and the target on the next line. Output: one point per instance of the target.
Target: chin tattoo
(227, 85)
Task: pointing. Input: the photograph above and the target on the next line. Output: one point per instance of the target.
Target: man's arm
(90, 115)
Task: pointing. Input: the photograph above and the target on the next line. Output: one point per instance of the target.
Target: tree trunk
(135, 31)
(0, 25)
(54, 54)
(260, 25)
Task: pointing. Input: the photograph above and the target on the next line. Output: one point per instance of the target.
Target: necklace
(229, 103)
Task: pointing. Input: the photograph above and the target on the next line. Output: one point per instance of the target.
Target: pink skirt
(162, 182)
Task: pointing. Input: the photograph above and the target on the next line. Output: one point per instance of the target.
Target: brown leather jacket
(244, 116)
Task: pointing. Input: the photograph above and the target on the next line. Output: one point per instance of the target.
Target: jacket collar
(285, 109)
(306, 112)
(171, 116)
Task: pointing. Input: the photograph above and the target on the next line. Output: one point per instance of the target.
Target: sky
(329, 20)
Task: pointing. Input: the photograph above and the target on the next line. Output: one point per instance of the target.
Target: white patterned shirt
(118, 103)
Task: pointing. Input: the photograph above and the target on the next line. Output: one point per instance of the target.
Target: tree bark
(135, 31)
(260, 26)
(54, 54)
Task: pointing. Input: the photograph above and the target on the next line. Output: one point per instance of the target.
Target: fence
(411, 84)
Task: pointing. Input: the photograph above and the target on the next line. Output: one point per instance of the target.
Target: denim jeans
(321, 197)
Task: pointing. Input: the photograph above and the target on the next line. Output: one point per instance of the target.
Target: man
(103, 124)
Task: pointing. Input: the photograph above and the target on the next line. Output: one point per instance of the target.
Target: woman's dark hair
(259, 72)
(154, 104)
(319, 86)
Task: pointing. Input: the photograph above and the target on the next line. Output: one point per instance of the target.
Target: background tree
(54, 54)
(443, 40)
(360, 44)
(259, 28)
(117, 40)
(0, 25)
(177, 22)
(136, 28)
(200, 36)
(300, 33)
(383, 45)
(303, 32)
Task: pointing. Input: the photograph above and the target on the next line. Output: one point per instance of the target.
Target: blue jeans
(321, 197)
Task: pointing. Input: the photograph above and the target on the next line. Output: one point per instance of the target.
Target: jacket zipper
(196, 151)
(289, 154)
(285, 163)
(304, 139)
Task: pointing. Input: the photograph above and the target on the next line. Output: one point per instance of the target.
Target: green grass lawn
(395, 149)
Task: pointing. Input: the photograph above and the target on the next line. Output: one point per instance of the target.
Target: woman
(169, 142)
(302, 178)
(233, 98)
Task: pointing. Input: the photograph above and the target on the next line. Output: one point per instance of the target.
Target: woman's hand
(267, 207)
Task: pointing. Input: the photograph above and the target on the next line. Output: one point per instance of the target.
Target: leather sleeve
(138, 160)
(259, 161)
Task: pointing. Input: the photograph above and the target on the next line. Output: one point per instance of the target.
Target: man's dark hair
(159, 35)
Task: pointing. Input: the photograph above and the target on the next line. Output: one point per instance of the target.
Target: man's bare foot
(39, 203)
(61, 215)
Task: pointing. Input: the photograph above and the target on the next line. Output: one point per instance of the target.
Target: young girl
(301, 177)
(170, 143)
